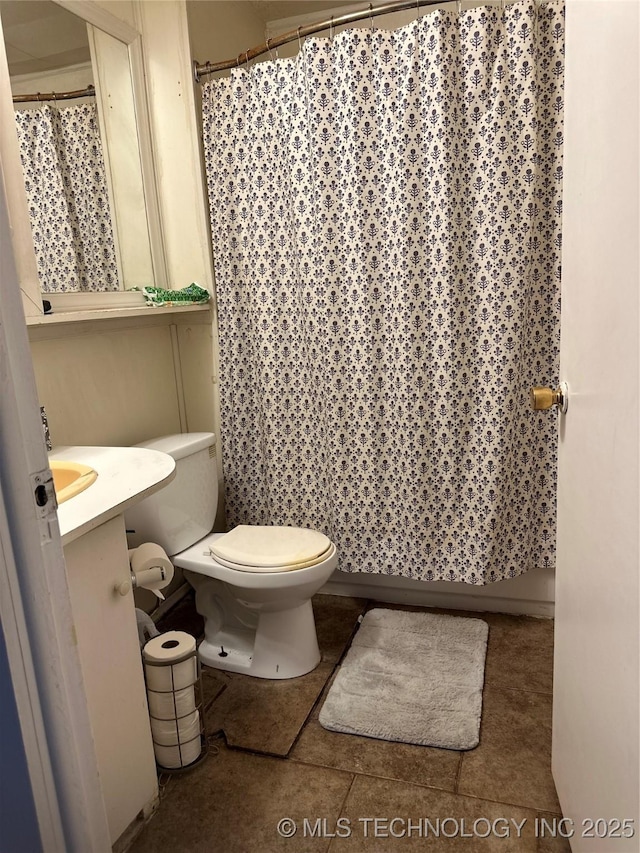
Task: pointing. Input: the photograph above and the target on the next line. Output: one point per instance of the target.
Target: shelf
(65, 317)
(65, 324)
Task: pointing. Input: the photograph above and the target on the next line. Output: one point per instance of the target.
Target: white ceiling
(40, 35)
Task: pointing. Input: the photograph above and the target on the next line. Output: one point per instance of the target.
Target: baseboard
(530, 595)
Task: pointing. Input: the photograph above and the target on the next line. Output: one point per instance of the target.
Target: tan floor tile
(419, 764)
(214, 681)
(547, 841)
(336, 618)
(520, 652)
(512, 764)
(261, 714)
(234, 801)
(461, 821)
(266, 715)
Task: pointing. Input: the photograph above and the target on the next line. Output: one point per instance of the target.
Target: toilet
(253, 584)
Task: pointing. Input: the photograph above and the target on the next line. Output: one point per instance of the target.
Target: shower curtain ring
(269, 49)
(331, 29)
(299, 41)
(371, 15)
(459, 6)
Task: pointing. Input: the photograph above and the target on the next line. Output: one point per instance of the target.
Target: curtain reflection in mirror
(66, 186)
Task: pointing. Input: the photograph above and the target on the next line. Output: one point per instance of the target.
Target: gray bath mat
(411, 677)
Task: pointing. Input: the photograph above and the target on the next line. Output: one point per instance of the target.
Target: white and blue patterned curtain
(65, 181)
(385, 214)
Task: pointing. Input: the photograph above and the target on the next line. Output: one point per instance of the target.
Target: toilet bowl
(258, 621)
(253, 584)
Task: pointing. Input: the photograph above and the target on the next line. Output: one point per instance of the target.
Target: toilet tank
(182, 512)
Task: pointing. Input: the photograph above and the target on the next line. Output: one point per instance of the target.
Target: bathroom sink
(70, 478)
(103, 482)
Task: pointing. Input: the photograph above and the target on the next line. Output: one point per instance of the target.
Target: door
(595, 722)
(35, 612)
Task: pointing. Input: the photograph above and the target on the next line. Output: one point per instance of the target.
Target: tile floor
(270, 759)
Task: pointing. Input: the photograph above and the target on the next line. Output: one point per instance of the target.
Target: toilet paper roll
(168, 706)
(163, 650)
(151, 568)
(174, 732)
(177, 756)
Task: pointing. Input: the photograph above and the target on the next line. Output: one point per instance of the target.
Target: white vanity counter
(125, 476)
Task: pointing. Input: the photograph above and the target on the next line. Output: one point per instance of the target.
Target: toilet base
(283, 645)
(255, 623)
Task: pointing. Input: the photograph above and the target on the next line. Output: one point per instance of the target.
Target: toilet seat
(252, 548)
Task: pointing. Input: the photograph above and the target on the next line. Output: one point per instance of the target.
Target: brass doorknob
(545, 398)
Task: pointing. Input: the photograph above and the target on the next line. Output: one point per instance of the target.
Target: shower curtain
(385, 216)
(66, 186)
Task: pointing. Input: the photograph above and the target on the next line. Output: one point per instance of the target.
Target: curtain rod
(89, 92)
(370, 12)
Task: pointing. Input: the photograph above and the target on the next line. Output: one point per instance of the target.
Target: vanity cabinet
(107, 639)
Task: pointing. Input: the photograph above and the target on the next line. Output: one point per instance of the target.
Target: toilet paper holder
(162, 575)
(176, 713)
(150, 568)
(123, 587)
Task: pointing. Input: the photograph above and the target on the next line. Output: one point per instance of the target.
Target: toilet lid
(256, 548)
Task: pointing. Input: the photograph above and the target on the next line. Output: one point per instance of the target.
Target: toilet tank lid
(181, 444)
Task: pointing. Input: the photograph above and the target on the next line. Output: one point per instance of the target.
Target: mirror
(82, 180)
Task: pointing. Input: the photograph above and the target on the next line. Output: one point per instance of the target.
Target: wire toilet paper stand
(176, 711)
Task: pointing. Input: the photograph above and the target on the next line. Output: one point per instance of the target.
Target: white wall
(222, 29)
(121, 382)
(107, 387)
